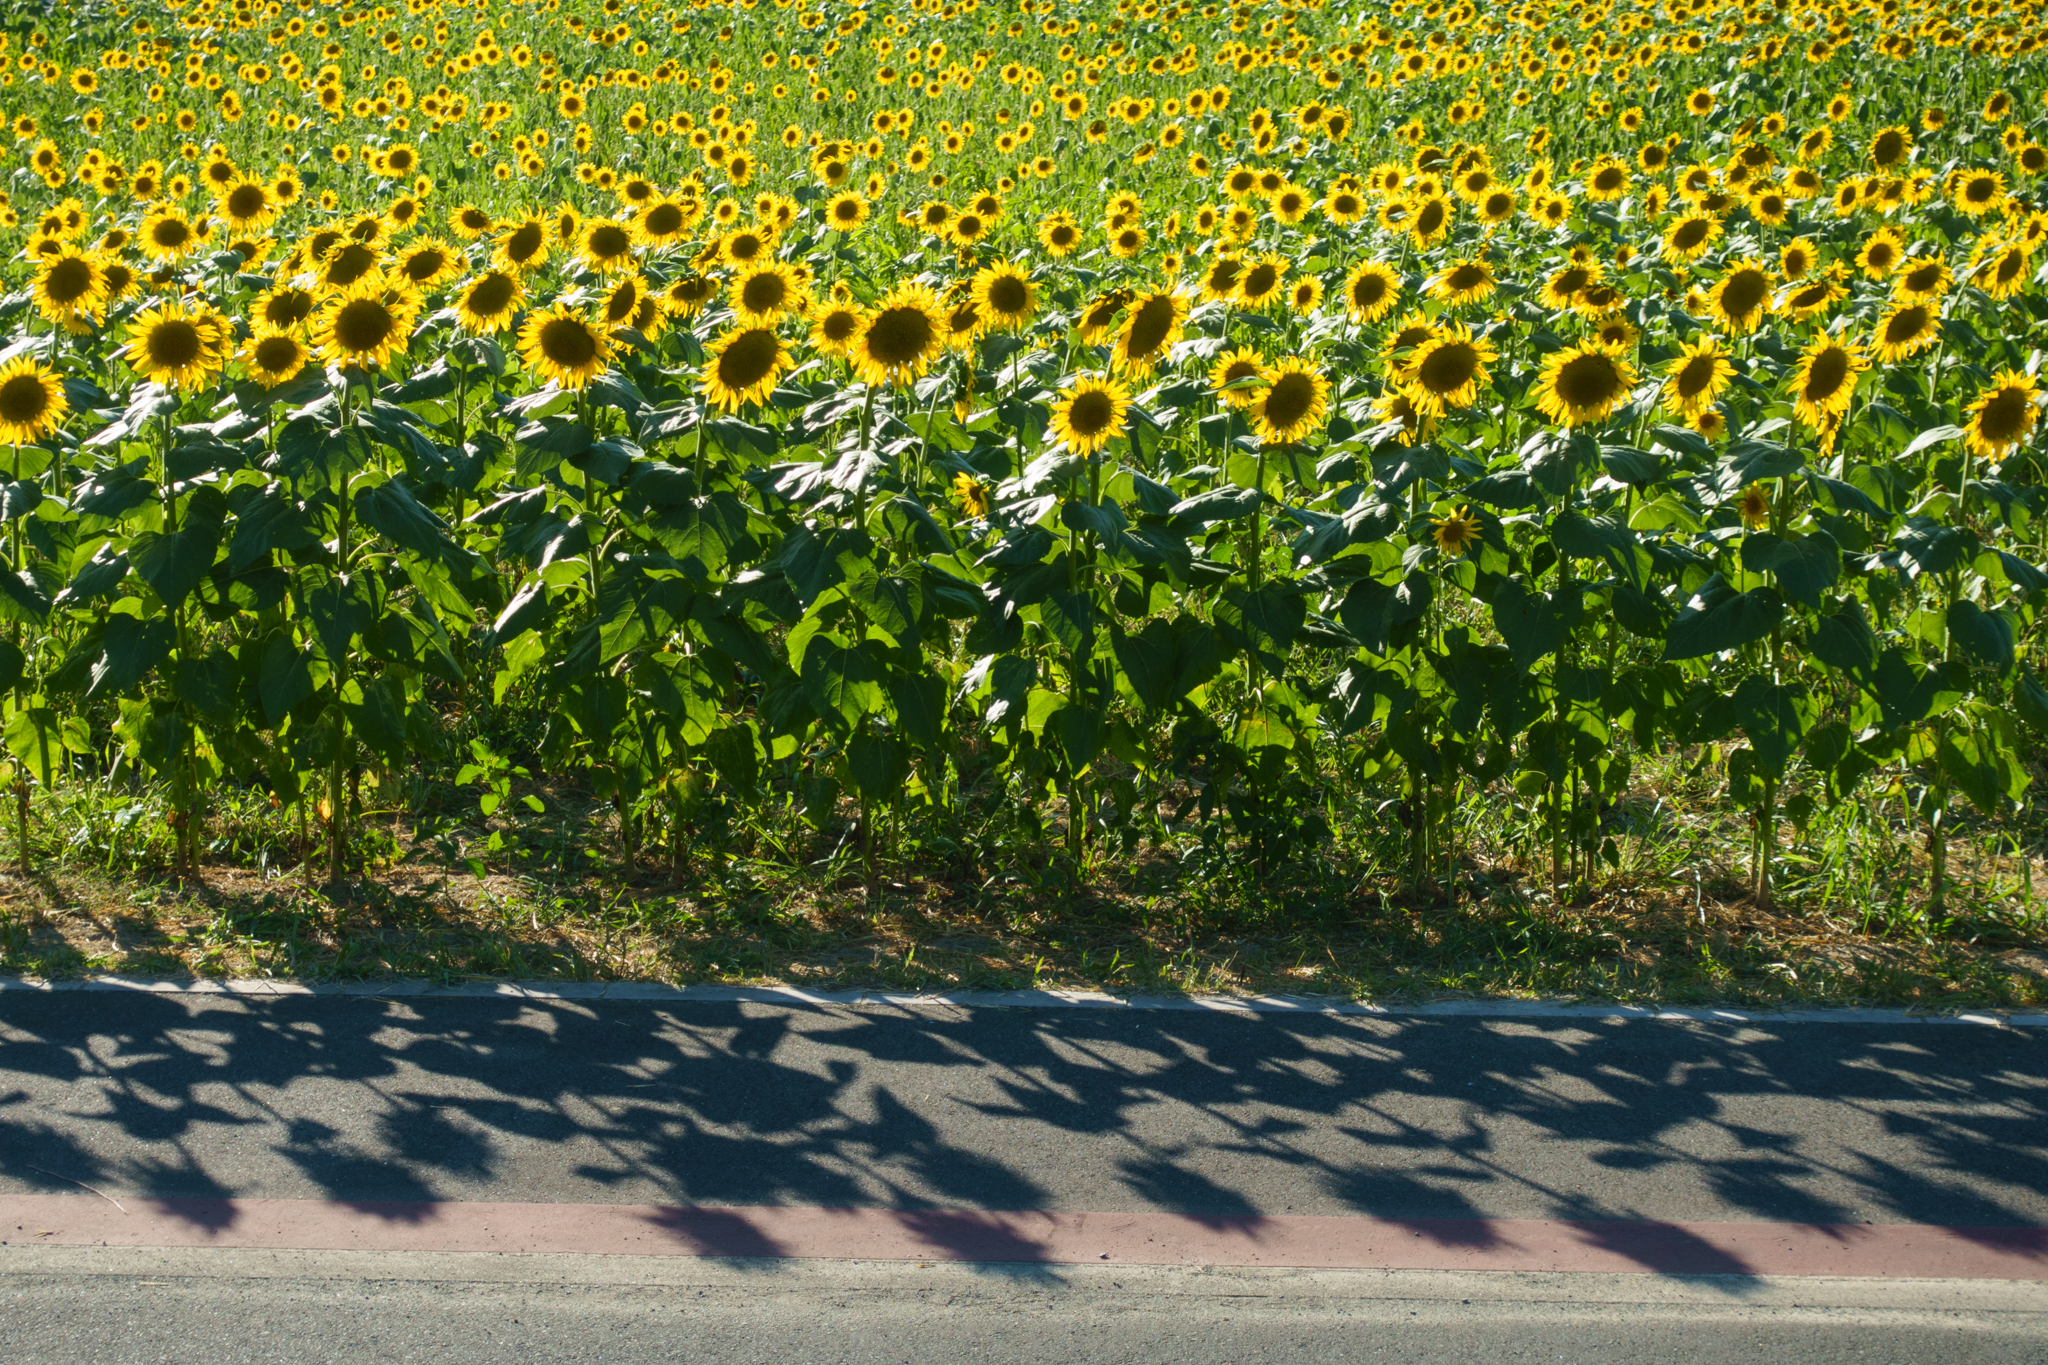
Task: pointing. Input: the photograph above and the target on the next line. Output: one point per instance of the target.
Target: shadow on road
(370, 1101)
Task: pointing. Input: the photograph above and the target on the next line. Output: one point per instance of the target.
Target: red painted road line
(1526, 1244)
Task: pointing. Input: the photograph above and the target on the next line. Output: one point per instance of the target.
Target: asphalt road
(359, 1099)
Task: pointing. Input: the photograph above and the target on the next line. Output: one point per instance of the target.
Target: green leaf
(1806, 566)
(131, 649)
(1984, 635)
(1266, 622)
(2030, 699)
(35, 738)
(1533, 623)
(1147, 661)
(1844, 642)
(877, 765)
(1718, 619)
(173, 564)
(734, 752)
(284, 679)
(841, 681)
(1774, 716)
(919, 700)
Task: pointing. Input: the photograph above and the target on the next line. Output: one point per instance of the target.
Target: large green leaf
(1718, 619)
(1774, 716)
(1534, 623)
(1806, 566)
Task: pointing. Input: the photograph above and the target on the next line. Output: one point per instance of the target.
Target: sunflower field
(1138, 424)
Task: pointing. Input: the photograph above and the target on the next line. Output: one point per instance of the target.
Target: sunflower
(1448, 370)
(1755, 506)
(489, 302)
(901, 337)
(273, 358)
(1430, 220)
(605, 245)
(620, 303)
(1151, 326)
(762, 293)
(367, 323)
(1455, 531)
(283, 308)
(1976, 192)
(1089, 413)
(1292, 403)
(346, 264)
(562, 345)
(1059, 234)
(1890, 146)
(972, 495)
(834, 325)
(428, 262)
(2000, 269)
(1921, 280)
(1005, 296)
(1690, 235)
(1371, 291)
(1221, 279)
(1584, 383)
(522, 244)
(1462, 282)
(1096, 320)
(70, 284)
(1740, 298)
(687, 295)
(1881, 253)
(1305, 295)
(1568, 281)
(1233, 366)
(166, 234)
(2001, 418)
(1397, 351)
(742, 367)
(32, 401)
(1906, 330)
(1798, 258)
(180, 349)
(846, 212)
(1260, 283)
(1826, 380)
(1811, 297)
(1695, 379)
(468, 222)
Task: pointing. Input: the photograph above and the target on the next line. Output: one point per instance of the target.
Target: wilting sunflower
(1455, 531)
(1907, 330)
(274, 358)
(1151, 326)
(1292, 403)
(1741, 297)
(1462, 282)
(562, 345)
(762, 293)
(2003, 415)
(1448, 370)
(834, 325)
(1826, 380)
(1232, 367)
(1005, 296)
(70, 284)
(1371, 291)
(489, 302)
(1089, 413)
(171, 346)
(366, 324)
(1584, 383)
(1694, 381)
(742, 367)
(902, 336)
(32, 401)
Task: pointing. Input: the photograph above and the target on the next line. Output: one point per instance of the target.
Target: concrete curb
(1215, 1004)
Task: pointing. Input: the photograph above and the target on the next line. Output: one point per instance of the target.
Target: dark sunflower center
(1152, 324)
(23, 400)
(1824, 379)
(1588, 381)
(1368, 290)
(173, 343)
(492, 294)
(1468, 276)
(1259, 280)
(839, 324)
(424, 264)
(1289, 401)
(1091, 413)
(2004, 418)
(764, 292)
(1008, 295)
(900, 336)
(275, 353)
(521, 246)
(1905, 325)
(749, 359)
(69, 280)
(1689, 233)
(568, 342)
(1744, 293)
(1449, 367)
(1696, 376)
(607, 241)
(363, 325)
(170, 234)
(246, 201)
